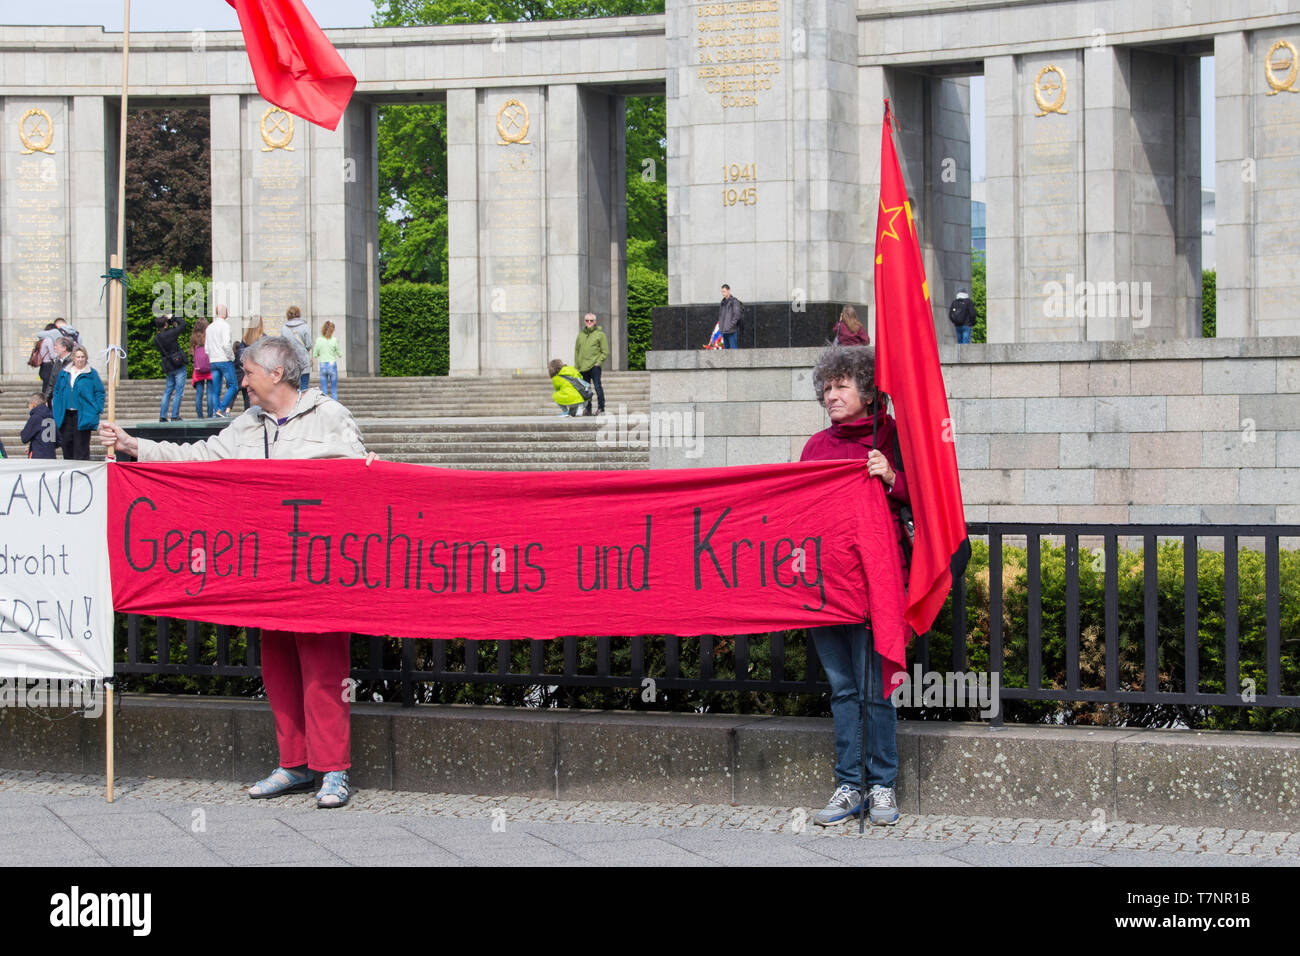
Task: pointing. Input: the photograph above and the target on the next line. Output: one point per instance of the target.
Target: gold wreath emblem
(277, 130)
(36, 130)
(1290, 64)
(1050, 87)
(512, 122)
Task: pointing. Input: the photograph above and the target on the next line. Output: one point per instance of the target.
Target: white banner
(56, 599)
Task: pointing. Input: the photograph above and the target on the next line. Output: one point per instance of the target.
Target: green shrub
(646, 289)
(1209, 304)
(413, 329)
(979, 295)
(154, 290)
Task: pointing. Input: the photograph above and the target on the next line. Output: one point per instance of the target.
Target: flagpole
(117, 328)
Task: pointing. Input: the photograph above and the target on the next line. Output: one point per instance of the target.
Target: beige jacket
(318, 428)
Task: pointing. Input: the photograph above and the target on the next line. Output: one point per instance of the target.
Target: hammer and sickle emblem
(277, 130)
(512, 122)
(1287, 61)
(36, 130)
(1045, 86)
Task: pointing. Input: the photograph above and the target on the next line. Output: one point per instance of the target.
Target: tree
(979, 294)
(413, 193)
(168, 190)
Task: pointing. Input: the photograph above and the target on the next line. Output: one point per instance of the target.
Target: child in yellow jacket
(565, 379)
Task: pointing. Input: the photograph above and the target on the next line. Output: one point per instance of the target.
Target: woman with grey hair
(304, 673)
(861, 427)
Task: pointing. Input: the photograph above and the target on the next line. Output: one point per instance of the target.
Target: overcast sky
(219, 15)
(170, 14)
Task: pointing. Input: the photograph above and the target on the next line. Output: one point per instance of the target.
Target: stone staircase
(500, 423)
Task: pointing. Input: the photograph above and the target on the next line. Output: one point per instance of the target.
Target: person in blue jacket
(34, 432)
(78, 400)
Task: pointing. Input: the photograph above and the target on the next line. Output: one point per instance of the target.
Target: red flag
(907, 367)
(296, 68)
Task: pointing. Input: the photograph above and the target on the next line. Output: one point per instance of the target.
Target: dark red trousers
(306, 677)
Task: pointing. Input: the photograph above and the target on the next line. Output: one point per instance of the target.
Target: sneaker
(884, 806)
(844, 803)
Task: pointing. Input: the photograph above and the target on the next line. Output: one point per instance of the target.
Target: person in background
(167, 339)
(78, 401)
(39, 434)
(962, 315)
(590, 352)
(254, 332)
(731, 318)
(202, 380)
(327, 353)
(844, 382)
(849, 330)
(305, 674)
(565, 379)
(221, 355)
(295, 325)
(51, 362)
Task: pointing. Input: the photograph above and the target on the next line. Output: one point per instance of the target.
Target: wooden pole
(108, 738)
(117, 327)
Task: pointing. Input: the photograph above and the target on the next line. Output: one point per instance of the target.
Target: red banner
(414, 551)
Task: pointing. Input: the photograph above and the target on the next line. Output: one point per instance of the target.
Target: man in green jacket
(589, 353)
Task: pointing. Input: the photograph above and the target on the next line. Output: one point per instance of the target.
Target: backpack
(34, 360)
(585, 390)
(202, 366)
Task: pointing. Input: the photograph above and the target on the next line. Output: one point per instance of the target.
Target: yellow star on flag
(892, 212)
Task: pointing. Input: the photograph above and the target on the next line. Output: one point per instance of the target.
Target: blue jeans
(305, 383)
(329, 379)
(225, 382)
(204, 388)
(173, 384)
(843, 650)
(963, 334)
(729, 340)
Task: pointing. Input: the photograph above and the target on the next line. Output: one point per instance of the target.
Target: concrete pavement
(64, 820)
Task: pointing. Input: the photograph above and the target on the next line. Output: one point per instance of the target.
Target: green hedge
(153, 291)
(645, 290)
(1131, 621)
(413, 329)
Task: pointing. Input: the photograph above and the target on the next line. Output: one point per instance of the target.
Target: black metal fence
(1120, 646)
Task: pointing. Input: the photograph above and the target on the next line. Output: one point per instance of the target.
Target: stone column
(463, 267)
(763, 180)
(585, 218)
(1234, 187)
(1108, 184)
(278, 213)
(523, 264)
(35, 220)
(1002, 197)
(344, 226)
(225, 130)
(1257, 183)
(89, 241)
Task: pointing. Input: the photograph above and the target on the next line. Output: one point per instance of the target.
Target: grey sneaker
(884, 806)
(844, 803)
